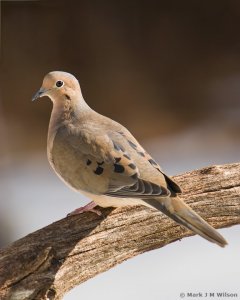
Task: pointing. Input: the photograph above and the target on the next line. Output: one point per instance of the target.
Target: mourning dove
(100, 158)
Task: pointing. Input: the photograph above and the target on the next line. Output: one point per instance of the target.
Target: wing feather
(109, 161)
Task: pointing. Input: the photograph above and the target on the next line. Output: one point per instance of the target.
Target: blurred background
(167, 70)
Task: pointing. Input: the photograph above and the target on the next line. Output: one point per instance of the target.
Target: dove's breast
(71, 165)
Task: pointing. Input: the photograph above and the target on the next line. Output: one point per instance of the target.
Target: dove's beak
(39, 94)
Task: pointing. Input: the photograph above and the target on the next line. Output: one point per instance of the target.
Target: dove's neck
(67, 112)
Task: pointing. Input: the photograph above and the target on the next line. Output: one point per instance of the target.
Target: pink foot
(89, 207)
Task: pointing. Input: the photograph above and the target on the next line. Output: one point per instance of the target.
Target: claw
(89, 207)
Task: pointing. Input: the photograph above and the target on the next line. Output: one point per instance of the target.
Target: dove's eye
(59, 83)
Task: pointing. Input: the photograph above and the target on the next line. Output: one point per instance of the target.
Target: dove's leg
(89, 207)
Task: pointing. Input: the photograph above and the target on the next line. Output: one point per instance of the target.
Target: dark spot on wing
(118, 168)
(98, 171)
(141, 153)
(152, 162)
(100, 163)
(128, 157)
(117, 159)
(132, 144)
(89, 162)
(118, 147)
(121, 148)
(132, 166)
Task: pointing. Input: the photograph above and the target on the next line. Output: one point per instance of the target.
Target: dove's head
(59, 86)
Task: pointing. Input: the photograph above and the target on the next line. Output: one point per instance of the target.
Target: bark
(49, 262)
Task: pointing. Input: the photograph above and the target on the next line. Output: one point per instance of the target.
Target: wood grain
(49, 262)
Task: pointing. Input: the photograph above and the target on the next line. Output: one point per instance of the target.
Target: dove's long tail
(180, 212)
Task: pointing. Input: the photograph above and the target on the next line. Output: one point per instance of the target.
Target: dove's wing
(109, 163)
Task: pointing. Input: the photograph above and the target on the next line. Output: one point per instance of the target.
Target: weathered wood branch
(49, 262)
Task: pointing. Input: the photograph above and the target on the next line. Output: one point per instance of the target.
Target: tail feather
(180, 212)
